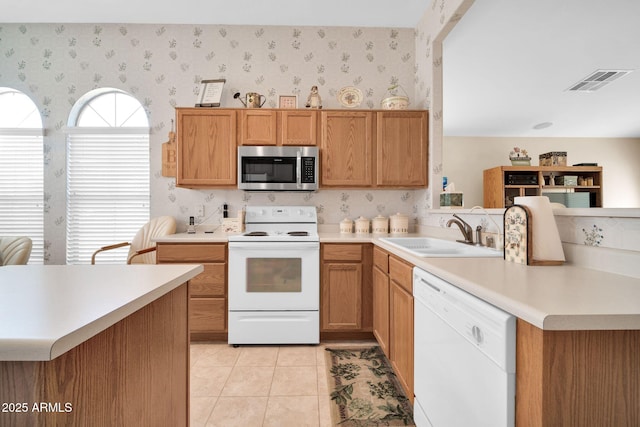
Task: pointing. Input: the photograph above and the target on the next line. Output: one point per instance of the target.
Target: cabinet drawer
(192, 252)
(342, 252)
(381, 259)
(207, 315)
(209, 283)
(401, 273)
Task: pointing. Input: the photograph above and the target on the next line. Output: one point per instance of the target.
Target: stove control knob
(300, 212)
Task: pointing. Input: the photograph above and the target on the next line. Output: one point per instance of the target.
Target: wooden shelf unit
(502, 183)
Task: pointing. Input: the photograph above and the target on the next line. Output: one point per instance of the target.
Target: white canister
(399, 223)
(346, 226)
(362, 225)
(380, 225)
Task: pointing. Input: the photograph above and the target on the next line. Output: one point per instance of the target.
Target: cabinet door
(402, 144)
(191, 252)
(401, 332)
(346, 145)
(206, 147)
(341, 296)
(381, 309)
(207, 315)
(258, 127)
(298, 127)
(210, 283)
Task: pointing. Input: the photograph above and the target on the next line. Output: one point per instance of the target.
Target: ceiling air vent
(597, 80)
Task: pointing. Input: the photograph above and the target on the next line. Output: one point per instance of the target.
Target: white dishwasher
(464, 364)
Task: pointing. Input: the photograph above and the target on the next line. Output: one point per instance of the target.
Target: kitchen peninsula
(94, 345)
(578, 329)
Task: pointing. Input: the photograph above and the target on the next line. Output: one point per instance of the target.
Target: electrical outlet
(495, 240)
(200, 211)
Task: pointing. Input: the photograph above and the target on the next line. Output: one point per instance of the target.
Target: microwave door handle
(298, 169)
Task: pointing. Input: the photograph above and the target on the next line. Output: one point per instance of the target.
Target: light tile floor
(260, 385)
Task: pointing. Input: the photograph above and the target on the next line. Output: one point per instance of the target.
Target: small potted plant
(519, 157)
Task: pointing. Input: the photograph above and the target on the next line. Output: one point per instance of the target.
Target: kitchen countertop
(562, 297)
(549, 297)
(47, 310)
(198, 237)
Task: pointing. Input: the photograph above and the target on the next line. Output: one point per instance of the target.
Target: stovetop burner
(279, 224)
(256, 233)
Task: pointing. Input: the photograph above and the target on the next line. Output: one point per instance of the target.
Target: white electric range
(274, 277)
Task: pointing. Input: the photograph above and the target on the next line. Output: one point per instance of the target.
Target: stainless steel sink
(432, 247)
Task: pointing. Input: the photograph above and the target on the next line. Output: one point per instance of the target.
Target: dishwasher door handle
(432, 286)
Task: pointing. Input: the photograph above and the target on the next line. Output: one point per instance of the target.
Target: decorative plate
(349, 97)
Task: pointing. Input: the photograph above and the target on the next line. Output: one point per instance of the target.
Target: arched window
(21, 170)
(107, 174)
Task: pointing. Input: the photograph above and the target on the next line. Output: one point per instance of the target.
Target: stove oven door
(274, 276)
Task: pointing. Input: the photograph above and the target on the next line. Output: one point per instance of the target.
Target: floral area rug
(364, 390)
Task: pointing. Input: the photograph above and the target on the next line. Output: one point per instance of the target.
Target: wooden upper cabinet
(402, 144)
(358, 148)
(206, 147)
(346, 149)
(298, 127)
(258, 127)
(277, 127)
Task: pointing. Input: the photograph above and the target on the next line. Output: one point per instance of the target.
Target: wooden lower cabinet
(134, 373)
(401, 336)
(381, 309)
(207, 291)
(393, 313)
(577, 378)
(346, 291)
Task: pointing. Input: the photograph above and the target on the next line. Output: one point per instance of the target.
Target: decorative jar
(346, 226)
(362, 225)
(399, 224)
(380, 225)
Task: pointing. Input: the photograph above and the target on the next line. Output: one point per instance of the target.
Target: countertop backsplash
(606, 243)
(332, 205)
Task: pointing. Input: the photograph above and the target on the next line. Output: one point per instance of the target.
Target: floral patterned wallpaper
(162, 66)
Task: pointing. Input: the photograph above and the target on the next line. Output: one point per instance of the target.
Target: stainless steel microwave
(286, 168)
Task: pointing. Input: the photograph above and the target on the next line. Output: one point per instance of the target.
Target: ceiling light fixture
(542, 125)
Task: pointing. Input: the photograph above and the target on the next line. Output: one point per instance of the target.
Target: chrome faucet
(465, 228)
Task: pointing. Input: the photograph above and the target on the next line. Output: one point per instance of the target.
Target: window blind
(21, 187)
(107, 191)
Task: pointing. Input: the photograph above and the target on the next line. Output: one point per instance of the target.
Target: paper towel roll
(547, 245)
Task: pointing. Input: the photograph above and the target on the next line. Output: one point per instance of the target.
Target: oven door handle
(276, 246)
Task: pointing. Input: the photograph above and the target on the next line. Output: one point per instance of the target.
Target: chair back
(156, 227)
(15, 250)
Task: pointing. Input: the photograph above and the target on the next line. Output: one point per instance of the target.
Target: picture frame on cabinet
(210, 93)
(288, 101)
